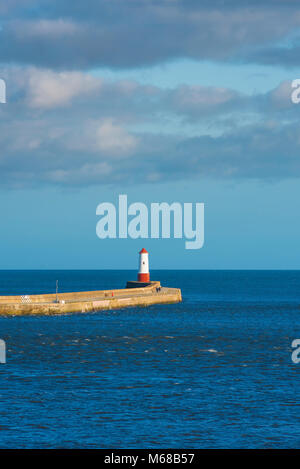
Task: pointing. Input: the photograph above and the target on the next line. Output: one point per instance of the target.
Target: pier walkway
(63, 303)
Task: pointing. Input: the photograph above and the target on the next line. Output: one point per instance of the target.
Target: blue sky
(161, 100)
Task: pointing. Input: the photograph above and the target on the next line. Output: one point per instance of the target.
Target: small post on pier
(56, 291)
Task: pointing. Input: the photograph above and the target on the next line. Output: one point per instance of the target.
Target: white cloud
(48, 89)
(114, 140)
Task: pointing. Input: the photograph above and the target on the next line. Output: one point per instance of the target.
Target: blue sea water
(212, 372)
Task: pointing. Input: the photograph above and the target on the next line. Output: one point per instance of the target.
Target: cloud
(65, 126)
(113, 132)
(267, 151)
(114, 140)
(276, 54)
(81, 35)
(196, 100)
(47, 89)
(280, 97)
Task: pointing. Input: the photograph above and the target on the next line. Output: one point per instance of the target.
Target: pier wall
(85, 302)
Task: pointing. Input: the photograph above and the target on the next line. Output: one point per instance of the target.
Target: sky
(162, 100)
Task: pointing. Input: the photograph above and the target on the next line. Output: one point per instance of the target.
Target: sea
(214, 371)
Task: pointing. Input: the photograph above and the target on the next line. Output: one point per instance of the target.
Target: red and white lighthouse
(143, 275)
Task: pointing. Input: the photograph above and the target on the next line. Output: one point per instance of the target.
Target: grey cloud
(80, 35)
(256, 152)
(286, 56)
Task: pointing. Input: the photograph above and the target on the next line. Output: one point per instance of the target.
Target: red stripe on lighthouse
(143, 277)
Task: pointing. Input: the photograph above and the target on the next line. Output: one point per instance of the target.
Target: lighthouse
(143, 275)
